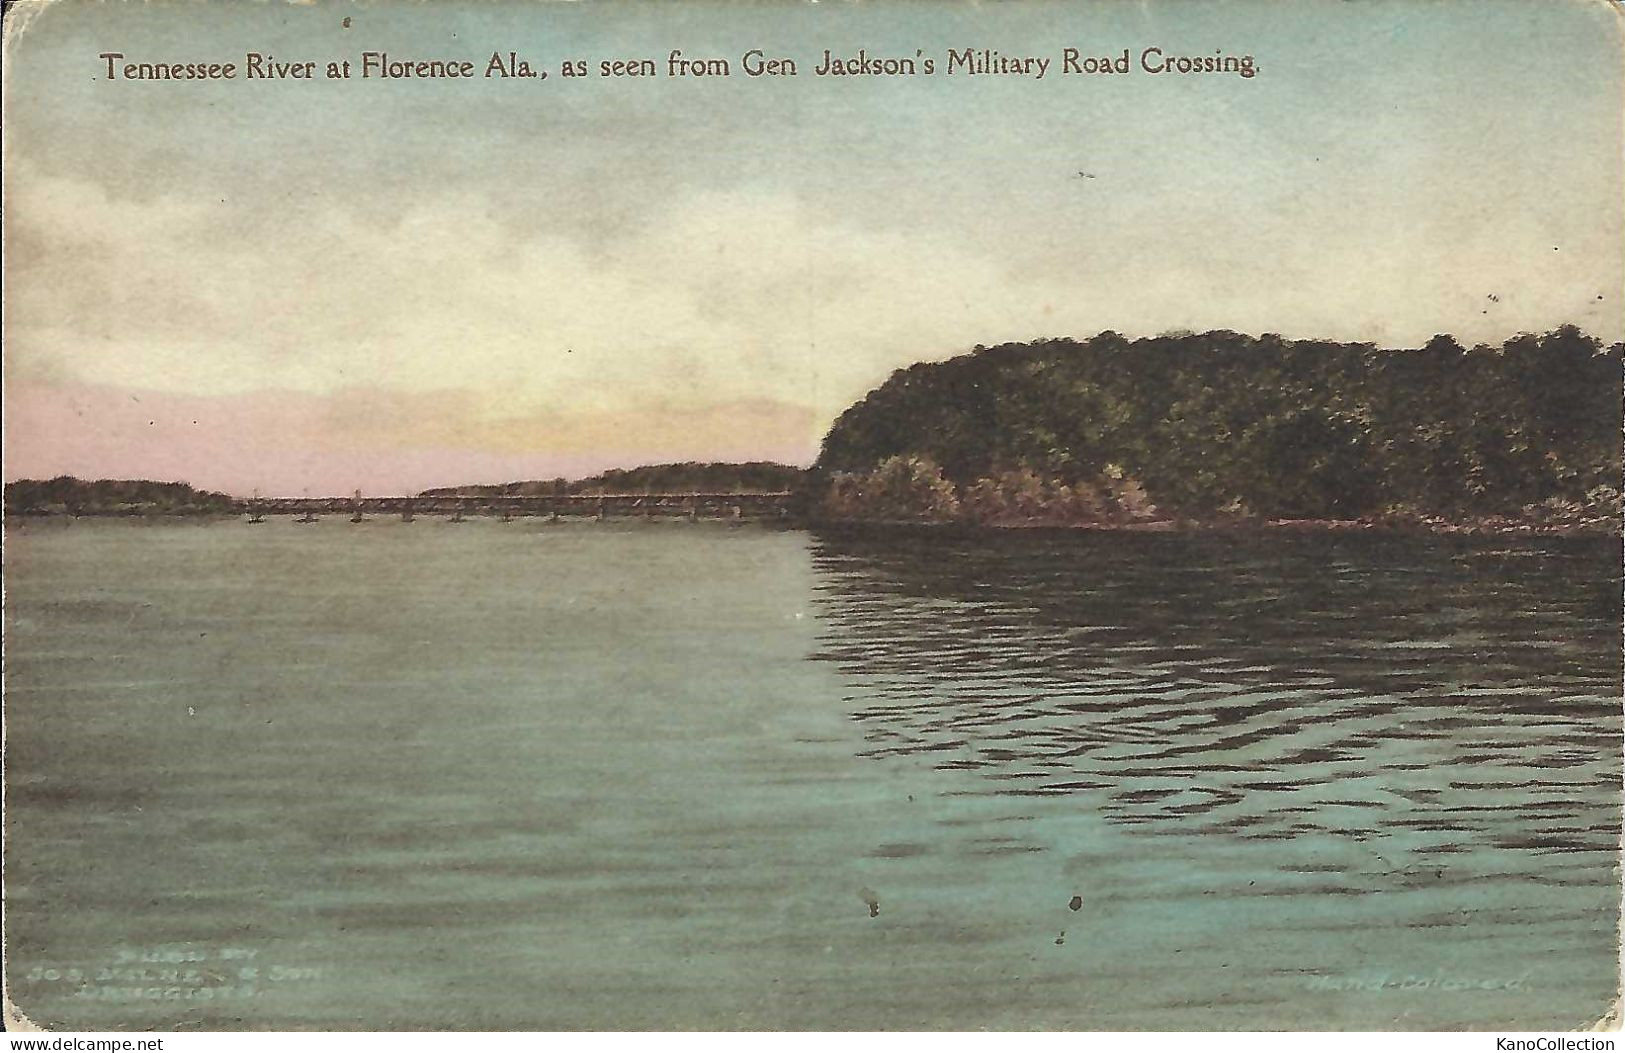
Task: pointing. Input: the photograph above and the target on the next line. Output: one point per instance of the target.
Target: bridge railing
(710, 505)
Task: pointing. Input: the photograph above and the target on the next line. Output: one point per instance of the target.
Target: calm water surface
(510, 775)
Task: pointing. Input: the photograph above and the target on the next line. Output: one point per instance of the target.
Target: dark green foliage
(1218, 425)
(899, 488)
(686, 478)
(112, 497)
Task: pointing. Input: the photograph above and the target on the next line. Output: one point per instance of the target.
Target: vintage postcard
(813, 516)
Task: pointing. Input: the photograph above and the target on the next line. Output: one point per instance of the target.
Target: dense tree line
(1222, 425)
(66, 495)
(685, 478)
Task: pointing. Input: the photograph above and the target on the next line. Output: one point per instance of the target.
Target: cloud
(543, 323)
(718, 296)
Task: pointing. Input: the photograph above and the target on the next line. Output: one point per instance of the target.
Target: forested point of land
(1224, 427)
(684, 478)
(66, 495)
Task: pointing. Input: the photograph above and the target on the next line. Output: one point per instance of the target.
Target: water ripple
(1452, 691)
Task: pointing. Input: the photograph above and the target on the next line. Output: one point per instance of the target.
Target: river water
(686, 775)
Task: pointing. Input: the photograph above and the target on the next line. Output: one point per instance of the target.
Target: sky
(320, 286)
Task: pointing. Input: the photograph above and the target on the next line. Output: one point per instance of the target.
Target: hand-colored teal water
(681, 775)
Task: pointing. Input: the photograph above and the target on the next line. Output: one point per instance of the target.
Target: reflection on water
(1442, 698)
(512, 776)
(1379, 774)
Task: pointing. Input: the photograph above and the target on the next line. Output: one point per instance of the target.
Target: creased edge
(19, 15)
(14, 1018)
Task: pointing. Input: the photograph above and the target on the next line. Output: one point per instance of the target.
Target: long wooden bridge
(751, 505)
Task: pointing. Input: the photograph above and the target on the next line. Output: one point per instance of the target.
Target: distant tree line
(683, 478)
(1225, 426)
(66, 495)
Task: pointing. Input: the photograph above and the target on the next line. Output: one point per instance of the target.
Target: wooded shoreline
(1231, 431)
(1208, 432)
(1497, 527)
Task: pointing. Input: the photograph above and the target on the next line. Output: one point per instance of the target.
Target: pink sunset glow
(289, 443)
